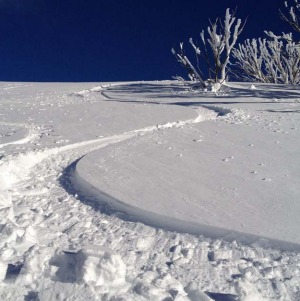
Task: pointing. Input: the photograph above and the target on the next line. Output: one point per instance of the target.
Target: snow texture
(149, 191)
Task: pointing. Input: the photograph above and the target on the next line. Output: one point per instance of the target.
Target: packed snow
(149, 191)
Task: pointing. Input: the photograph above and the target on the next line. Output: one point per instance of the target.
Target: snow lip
(94, 197)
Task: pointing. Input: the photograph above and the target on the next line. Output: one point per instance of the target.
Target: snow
(149, 191)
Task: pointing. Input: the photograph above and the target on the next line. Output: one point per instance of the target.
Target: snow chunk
(195, 294)
(3, 268)
(6, 206)
(93, 265)
(15, 168)
(248, 292)
(159, 286)
(101, 267)
(36, 264)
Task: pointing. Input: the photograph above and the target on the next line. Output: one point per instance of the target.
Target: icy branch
(216, 48)
(275, 60)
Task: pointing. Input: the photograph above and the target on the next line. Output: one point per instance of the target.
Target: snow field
(229, 188)
(64, 245)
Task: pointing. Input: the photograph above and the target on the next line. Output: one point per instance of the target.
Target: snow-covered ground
(149, 191)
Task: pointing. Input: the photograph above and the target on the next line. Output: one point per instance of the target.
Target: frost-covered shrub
(271, 60)
(214, 52)
(275, 59)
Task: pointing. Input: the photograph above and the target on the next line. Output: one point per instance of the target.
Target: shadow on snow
(111, 206)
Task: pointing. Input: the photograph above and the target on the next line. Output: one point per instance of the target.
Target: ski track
(152, 264)
(33, 132)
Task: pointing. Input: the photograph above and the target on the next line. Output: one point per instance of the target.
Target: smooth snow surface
(149, 191)
(243, 179)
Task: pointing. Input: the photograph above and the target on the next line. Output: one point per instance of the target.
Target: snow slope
(212, 175)
(148, 191)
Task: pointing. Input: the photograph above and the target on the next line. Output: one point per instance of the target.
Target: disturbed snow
(149, 191)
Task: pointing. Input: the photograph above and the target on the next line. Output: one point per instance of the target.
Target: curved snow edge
(95, 196)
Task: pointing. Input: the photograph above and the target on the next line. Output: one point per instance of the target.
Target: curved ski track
(33, 181)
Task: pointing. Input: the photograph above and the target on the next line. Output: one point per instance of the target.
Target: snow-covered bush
(271, 60)
(275, 59)
(214, 52)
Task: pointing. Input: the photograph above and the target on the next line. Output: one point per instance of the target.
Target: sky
(112, 40)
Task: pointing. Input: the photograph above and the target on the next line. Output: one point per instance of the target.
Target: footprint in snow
(267, 179)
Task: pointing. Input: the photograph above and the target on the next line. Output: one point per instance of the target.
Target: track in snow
(157, 261)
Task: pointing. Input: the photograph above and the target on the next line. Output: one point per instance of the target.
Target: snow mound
(13, 169)
(93, 265)
(101, 267)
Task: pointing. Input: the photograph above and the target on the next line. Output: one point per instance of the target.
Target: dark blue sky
(112, 40)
